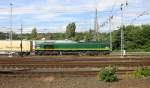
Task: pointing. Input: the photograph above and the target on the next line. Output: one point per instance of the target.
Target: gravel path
(67, 82)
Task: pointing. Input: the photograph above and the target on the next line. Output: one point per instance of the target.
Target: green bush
(107, 74)
(142, 72)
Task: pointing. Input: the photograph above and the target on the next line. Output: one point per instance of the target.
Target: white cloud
(16, 11)
(58, 29)
(2, 17)
(45, 17)
(56, 10)
(53, 6)
(107, 4)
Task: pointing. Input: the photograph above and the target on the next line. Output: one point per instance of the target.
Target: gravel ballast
(70, 82)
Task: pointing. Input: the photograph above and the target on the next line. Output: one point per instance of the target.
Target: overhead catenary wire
(139, 15)
(63, 11)
(110, 16)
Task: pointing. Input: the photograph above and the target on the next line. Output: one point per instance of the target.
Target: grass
(108, 74)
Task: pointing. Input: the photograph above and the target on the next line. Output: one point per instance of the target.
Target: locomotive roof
(55, 41)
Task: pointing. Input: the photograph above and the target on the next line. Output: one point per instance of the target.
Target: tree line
(136, 38)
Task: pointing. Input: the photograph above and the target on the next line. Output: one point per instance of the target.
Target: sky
(55, 15)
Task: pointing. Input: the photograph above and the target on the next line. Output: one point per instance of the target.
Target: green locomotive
(71, 48)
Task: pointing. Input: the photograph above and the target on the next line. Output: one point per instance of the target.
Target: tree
(133, 38)
(136, 38)
(87, 36)
(2, 36)
(79, 36)
(57, 36)
(15, 36)
(70, 30)
(34, 33)
(146, 37)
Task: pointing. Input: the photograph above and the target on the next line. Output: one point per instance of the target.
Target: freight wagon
(14, 46)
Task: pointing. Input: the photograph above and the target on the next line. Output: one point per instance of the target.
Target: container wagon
(14, 46)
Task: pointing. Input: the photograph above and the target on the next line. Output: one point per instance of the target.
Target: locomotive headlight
(106, 47)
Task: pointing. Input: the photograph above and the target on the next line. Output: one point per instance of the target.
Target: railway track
(62, 73)
(33, 66)
(71, 59)
(68, 64)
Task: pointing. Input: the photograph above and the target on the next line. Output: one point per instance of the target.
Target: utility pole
(10, 33)
(21, 41)
(96, 26)
(111, 17)
(122, 29)
(122, 33)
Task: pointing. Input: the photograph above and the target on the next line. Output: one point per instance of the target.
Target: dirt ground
(70, 82)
